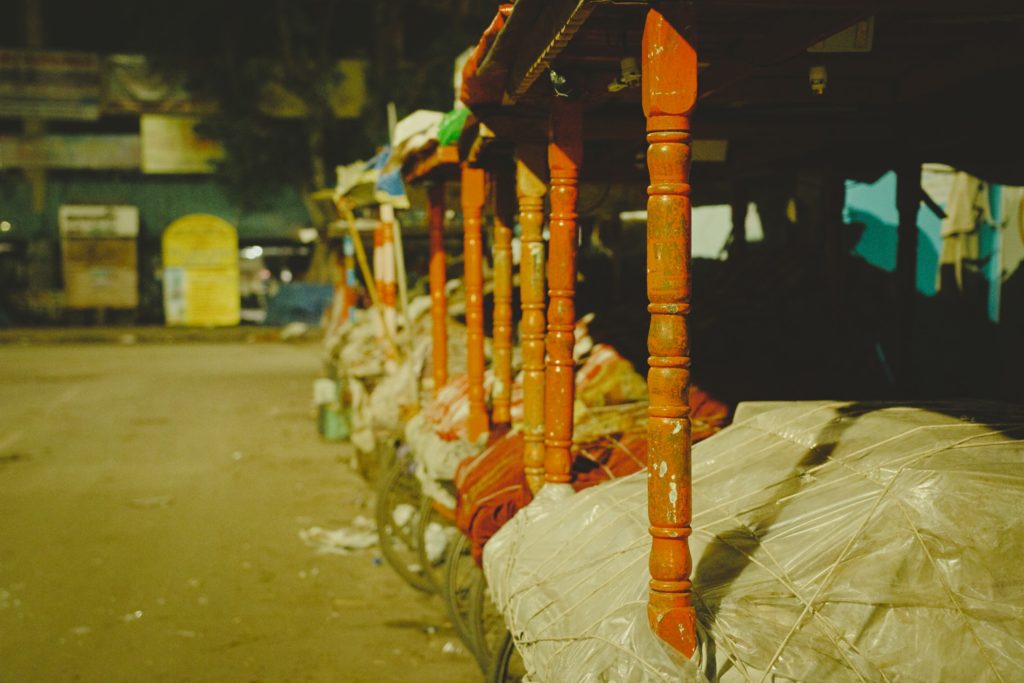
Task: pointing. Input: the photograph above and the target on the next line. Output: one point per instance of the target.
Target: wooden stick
(531, 186)
(565, 154)
(504, 208)
(438, 279)
(473, 191)
(669, 95)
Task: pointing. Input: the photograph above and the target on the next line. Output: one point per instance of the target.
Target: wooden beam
(891, 6)
(550, 33)
(783, 38)
(1000, 50)
(439, 164)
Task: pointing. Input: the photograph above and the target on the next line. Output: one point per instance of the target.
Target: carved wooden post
(504, 207)
(438, 303)
(565, 153)
(669, 95)
(473, 191)
(531, 186)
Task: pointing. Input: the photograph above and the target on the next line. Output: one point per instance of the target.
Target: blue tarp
(298, 302)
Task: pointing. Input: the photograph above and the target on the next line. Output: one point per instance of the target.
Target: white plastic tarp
(831, 542)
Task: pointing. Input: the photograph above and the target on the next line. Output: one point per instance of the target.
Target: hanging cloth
(966, 210)
(1012, 229)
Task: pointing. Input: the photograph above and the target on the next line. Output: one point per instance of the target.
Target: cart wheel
(434, 538)
(486, 623)
(398, 510)
(375, 464)
(461, 571)
(387, 450)
(506, 665)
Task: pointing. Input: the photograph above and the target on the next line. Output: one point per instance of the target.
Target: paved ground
(151, 499)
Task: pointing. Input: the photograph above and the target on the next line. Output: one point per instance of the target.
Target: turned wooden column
(669, 95)
(565, 153)
(474, 184)
(438, 278)
(501, 363)
(531, 186)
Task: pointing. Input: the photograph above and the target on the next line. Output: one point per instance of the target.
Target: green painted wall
(160, 199)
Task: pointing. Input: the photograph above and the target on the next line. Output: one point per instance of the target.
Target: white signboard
(98, 220)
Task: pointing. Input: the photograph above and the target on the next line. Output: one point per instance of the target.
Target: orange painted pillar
(438, 278)
(474, 183)
(565, 153)
(501, 364)
(531, 186)
(669, 95)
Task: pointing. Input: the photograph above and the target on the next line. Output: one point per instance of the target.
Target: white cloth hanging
(966, 210)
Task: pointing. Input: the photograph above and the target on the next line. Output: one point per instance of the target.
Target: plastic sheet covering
(360, 353)
(831, 542)
(379, 402)
(397, 395)
(359, 406)
(436, 458)
(608, 442)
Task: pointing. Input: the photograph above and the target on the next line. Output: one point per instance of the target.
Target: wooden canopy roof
(924, 80)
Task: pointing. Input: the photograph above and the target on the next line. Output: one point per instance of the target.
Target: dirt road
(151, 501)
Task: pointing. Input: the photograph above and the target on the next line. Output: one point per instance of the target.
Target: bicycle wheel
(486, 623)
(461, 572)
(506, 664)
(398, 512)
(434, 538)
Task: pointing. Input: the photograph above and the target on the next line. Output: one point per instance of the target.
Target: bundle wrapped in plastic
(492, 487)
(360, 353)
(380, 405)
(397, 395)
(831, 542)
(608, 442)
(438, 437)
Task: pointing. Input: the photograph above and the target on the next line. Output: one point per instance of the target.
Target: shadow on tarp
(732, 551)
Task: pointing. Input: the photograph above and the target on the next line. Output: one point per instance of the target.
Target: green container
(335, 423)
